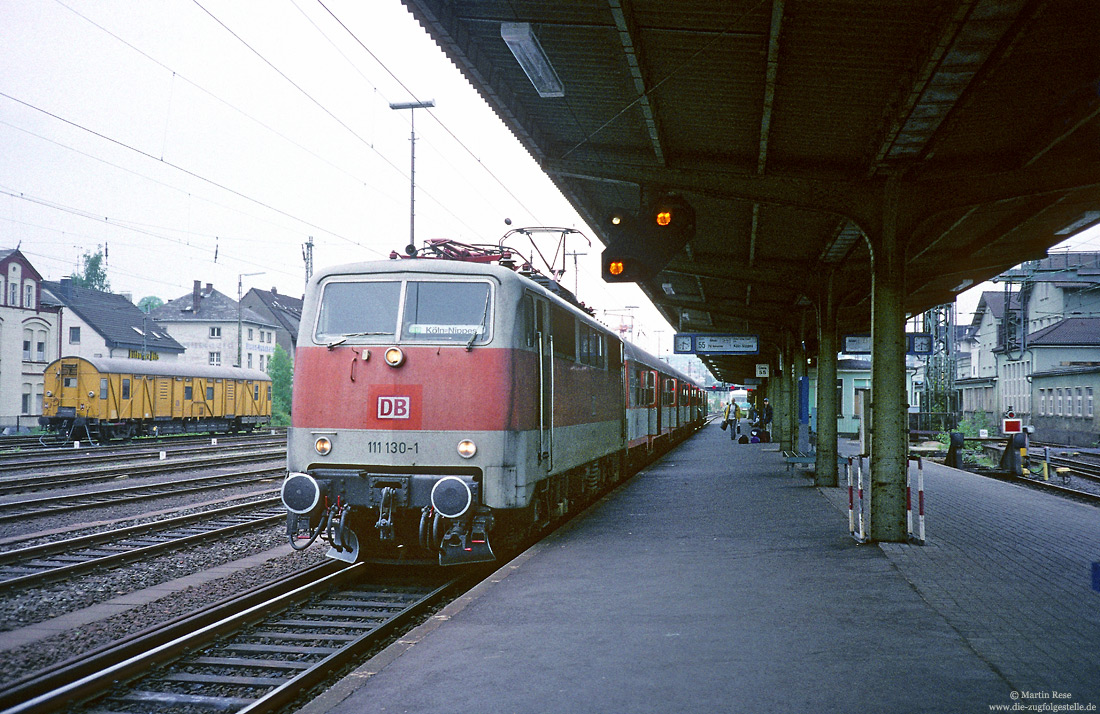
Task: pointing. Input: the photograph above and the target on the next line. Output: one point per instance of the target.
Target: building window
(215, 359)
(215, 333)
(26, 399)
(250, 333)
(1088, 402)
(28, 295)
(1080, 403)
(74, 335)
(1058, 402)
(26, 349)
(13, 295)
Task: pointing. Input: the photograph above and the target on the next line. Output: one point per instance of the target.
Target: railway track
(55, 460)
(54, 504)
(57, 560)
(263, 652)
(32, 444)
(24, 483)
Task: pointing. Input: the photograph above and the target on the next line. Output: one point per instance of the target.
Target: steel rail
(60, 459)
(208, 647)
(65, 673)
(50, 505)
(19, 484)
(33, 566)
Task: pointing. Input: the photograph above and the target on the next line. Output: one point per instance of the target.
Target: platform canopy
(798, 129)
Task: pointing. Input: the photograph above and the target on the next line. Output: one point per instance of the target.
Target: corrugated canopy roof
(796, 127)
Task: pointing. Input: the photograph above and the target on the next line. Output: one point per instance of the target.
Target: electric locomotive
(444, 407)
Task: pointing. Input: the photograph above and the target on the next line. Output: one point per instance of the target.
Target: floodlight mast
(412, 107)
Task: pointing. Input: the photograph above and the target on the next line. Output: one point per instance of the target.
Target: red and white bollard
(918, 537)
(860, 535)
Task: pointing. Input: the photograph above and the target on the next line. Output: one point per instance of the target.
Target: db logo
(393, 407)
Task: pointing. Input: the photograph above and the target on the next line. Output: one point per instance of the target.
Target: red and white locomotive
(439, 404)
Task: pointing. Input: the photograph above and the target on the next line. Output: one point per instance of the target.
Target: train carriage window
(188, 392)
(446, 312)
(256, 393)
(209, 393)
(358, 309)
(103, 388)
(650, 394)
(563, 328)
(125, 388)
(530, 329)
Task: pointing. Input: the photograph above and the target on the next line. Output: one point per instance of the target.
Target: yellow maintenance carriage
(109, 398)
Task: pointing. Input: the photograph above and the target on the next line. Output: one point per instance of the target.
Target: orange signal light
(664, 217)
(616, 267)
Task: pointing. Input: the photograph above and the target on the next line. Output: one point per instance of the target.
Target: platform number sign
(762, 370)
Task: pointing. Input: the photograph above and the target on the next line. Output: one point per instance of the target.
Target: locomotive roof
(429, 266)
(124, 365)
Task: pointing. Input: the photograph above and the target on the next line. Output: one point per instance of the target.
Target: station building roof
(799, 132)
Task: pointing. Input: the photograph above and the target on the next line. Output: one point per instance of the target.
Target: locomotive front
(402, 409)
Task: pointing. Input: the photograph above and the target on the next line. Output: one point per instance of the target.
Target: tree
(149, 303)
(94, 271)
(281, 370)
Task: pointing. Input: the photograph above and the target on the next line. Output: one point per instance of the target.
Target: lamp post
(240, 296)
(412, 106)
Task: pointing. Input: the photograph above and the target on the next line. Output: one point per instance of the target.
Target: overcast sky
(203, 139)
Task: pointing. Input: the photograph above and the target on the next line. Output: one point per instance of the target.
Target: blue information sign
(690, 343)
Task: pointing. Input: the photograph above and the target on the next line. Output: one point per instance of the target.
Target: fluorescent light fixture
(525, 46)
(667, 287)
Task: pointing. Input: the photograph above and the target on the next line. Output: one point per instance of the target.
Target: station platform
(716, 580)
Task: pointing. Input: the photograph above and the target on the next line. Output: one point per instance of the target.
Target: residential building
(28, 340)
(208, 322)
(93, 323)
(283, 311)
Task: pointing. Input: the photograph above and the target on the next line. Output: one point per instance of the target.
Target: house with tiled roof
(94, 323)
(283, 310)
(28, 340)
(216, 330)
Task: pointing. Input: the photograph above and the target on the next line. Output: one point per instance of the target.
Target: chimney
(67, 287)
(209, 288)
(274, 291)
(196, 296)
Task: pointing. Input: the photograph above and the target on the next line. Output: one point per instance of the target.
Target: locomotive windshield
(354, 309)
(431, 311)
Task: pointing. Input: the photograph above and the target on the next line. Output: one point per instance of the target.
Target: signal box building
(28, 340)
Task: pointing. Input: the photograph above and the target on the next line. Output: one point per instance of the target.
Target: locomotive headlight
(91, 395)
(467, 449)
(323, 445)
(394, 357)
(49, 394)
